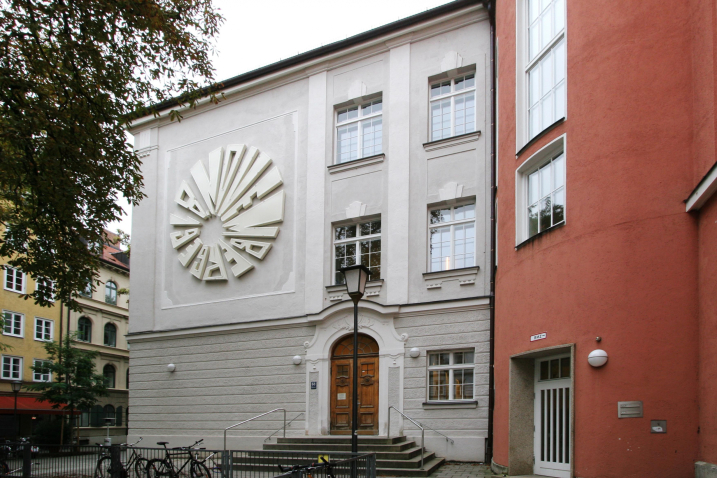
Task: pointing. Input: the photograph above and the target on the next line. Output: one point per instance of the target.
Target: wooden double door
(342, 386)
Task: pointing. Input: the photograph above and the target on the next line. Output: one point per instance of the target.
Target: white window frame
(44, 321)
(452, 223)
(35, 374)
(452, 95)
(2, 367)
(357, 240)
(360, 119)
(451, 368)
(116, 289)
(41, 282)
(22, 324)
(14, 273)
(524, 64)
(530, 165)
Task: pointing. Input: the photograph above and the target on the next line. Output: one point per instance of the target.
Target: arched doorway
(341, 385)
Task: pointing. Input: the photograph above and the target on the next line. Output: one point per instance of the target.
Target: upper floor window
(14, 280)
(450, 375)
(359, 131)
(43, 329)
(453, 107)
(45, 285)
(108, 372)
(452, 237)
(12, 324)
(11, 367)
(110, 335)
(546, 65)
(84, 329)
(111, 293)
(358, 244)
(41, 371)
(87, 291)
(546, 195)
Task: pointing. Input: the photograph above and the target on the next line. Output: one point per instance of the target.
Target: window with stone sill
(451, 243)
(450, 375)
(359, 131)
(110, 335)
(84, 329)
(111, 293)
(452, 105)
(358, 244)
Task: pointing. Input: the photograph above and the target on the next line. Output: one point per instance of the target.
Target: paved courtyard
(463, 470)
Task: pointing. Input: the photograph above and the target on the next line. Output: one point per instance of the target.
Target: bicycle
(164, 467)
(136, 462)
(299, 471)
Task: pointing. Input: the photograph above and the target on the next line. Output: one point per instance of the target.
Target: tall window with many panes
(453, 107)
(358, 244)
(450, 375)
(546, 66)
(14, 280)
(451, 237)
(546, 195)
(359, 131)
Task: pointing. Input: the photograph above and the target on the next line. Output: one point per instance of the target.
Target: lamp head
(16, 386)
(355, 278)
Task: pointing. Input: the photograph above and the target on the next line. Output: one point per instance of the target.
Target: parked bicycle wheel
(140, 468)
(4, 468)
(104, 468)
(159, 468)
(200, 470)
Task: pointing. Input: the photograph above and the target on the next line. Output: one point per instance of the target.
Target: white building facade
(373, 150)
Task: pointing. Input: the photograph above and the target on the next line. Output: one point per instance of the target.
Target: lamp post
(355, 278)
(16, 386)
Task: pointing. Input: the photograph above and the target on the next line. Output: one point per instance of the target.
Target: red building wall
(625, 265)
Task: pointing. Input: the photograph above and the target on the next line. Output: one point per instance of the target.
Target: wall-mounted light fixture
(597, 358)
(171, 367)
(414, 352)
(297, 360)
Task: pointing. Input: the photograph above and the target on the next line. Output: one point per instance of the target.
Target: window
(359, 131)
(110, 335)
(453, 107)
(84, 329)
(108, 372)
(43, 329)
(111, 293)
(11, 367)
(41, 371)
(14, 280)
(87, 291)
(546, 64)
(109, 415)
(546, 195)
(358, 244)
(450, 375)
(12, 324)
(45, 285)
(555, 368)
(452, 237)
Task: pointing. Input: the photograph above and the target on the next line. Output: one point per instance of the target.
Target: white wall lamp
(414, 352)
(297, 360)
(597, 358)
(171, 367)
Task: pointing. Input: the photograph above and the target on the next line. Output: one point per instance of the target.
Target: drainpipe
(490, 6)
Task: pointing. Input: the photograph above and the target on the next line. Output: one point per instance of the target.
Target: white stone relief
(236, 190)
(355, 209)
(451, 190)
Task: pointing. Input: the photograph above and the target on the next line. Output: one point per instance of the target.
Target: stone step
(413, 462)
(410, 459)
(329, 447)
(428, 468)
(337, 439)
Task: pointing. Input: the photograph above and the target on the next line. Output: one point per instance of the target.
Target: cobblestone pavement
(463, 470)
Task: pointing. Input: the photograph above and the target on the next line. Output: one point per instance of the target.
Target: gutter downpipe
(490, 6)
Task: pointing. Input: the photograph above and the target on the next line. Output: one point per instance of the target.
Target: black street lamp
(16, 386)
(355, 278)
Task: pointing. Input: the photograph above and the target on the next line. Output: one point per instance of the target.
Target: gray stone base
(503, 470)
(705, 470)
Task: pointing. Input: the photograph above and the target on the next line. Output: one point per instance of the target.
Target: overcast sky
(257, 33)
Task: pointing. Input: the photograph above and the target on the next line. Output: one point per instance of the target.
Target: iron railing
(267, 463)
(420, 425)
(254, 418)
(282, 428)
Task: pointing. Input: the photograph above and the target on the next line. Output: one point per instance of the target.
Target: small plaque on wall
(629, 409)
(313, 385)
(341, 396)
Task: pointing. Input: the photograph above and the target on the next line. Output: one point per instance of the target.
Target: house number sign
(535, 337)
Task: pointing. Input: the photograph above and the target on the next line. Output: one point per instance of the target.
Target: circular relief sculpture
(240, 190)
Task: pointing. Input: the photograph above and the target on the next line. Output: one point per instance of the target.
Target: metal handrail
(277, 430)
(419, 425)
(254, 418)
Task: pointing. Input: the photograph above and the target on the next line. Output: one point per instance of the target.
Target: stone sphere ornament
(242, 192)
(597, 358)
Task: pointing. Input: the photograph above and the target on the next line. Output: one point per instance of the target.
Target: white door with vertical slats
(552, 416)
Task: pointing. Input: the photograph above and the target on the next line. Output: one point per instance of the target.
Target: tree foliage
(73, 73)
(75, 384)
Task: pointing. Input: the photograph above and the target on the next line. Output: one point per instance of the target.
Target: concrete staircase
(395, 456)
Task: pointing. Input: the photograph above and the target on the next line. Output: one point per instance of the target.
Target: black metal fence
(48, 461)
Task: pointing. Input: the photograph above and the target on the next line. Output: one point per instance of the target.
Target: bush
(47, 432)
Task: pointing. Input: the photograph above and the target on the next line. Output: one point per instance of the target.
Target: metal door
(552, 417)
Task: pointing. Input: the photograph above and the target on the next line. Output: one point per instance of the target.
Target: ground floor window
(450, 375)
(97, 415)
(11, 367)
